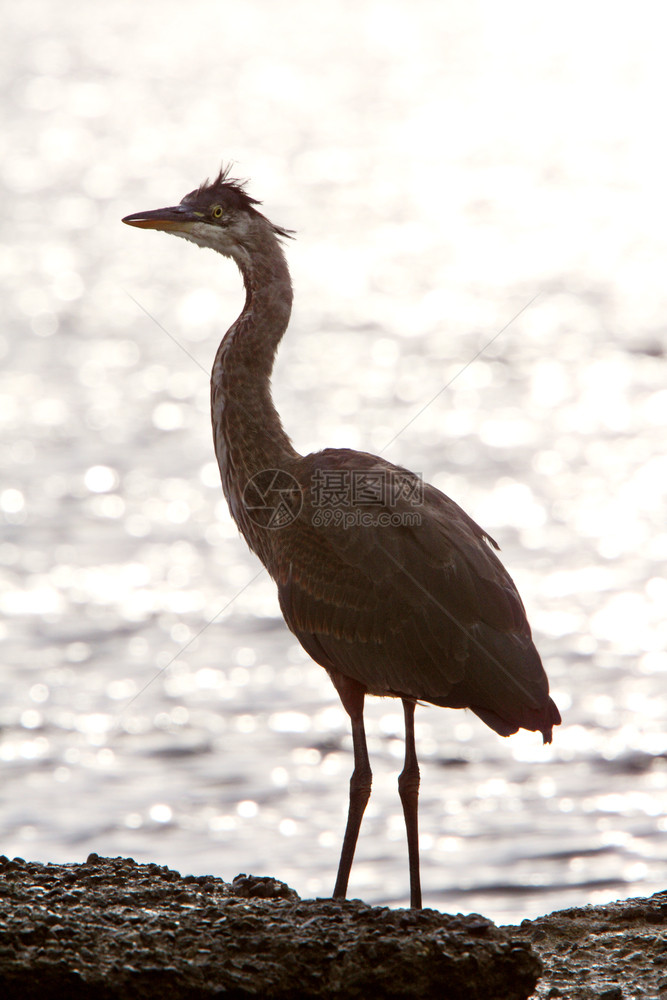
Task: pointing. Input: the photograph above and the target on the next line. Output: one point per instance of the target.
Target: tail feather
(535, 720)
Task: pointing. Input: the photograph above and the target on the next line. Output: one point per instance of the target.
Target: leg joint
(408, 782)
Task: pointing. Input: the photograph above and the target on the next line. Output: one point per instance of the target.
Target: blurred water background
(443, 164)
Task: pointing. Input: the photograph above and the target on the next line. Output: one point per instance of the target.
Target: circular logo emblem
(272, 498)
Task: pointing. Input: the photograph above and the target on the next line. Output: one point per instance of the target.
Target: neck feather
(247, 431)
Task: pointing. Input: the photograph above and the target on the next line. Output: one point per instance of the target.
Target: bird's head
(220, 215)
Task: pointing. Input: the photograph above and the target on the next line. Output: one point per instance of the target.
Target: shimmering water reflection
(450, 168)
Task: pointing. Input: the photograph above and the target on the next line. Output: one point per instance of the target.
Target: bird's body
(386, 582)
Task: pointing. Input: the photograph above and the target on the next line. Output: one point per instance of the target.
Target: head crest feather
(233, 192)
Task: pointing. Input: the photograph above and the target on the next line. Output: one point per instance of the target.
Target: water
(443, 165)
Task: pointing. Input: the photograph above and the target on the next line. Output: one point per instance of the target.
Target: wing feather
(423, 610)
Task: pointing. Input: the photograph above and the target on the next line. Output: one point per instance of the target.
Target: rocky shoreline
(112, 928)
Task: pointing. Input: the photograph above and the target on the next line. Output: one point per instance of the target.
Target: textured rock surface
(112, 928)
(613, 952)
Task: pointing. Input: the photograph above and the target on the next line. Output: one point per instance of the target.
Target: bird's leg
(408, 789)
(352, 696)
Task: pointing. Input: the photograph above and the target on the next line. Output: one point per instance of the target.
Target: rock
(112, 928)
(617, 951)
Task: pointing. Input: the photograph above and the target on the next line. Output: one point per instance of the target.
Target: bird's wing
(413, 602)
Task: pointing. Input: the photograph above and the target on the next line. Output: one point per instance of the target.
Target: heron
(386, 582)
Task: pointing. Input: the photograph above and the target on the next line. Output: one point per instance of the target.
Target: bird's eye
(216, 212)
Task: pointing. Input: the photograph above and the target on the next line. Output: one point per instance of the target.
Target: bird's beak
(178, 219)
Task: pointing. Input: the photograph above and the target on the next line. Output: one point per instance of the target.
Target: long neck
(247, 431)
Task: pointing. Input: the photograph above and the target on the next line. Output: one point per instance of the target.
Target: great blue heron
(386, 583)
